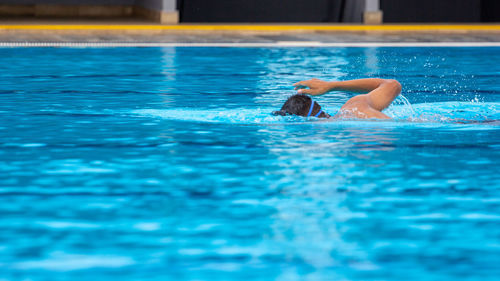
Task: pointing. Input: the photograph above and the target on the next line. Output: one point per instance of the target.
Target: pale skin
(375, 95)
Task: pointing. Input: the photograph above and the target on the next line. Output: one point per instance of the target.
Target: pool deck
(137, 31)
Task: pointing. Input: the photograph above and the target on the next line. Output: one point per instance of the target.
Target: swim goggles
(311, 109)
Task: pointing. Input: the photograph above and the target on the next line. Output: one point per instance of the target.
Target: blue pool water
(165, 164)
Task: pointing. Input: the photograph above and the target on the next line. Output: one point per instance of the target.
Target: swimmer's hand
(316, 87)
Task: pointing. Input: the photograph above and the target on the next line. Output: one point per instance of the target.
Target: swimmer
(375, 95)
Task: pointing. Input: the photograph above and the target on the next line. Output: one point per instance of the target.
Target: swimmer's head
(301, 105)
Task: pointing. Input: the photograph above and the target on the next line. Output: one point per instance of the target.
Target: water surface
(165, 164)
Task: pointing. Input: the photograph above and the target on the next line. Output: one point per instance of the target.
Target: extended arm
(380, 92)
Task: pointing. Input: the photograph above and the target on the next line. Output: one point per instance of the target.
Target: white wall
(372, 5)
(169, 5)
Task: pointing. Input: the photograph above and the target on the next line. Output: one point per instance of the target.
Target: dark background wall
(417, 11)
(260, 10)
(490, 10)
(67, 2)
(395, 11)
(440, 10)
(159, 5)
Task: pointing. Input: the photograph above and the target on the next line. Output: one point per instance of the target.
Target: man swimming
(376, 95)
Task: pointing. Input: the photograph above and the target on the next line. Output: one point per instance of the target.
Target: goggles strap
(311, 109)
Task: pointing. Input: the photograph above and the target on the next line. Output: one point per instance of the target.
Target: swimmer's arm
(380, 92)
(383, 95)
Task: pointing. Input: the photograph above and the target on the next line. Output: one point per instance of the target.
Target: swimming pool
(165, 164)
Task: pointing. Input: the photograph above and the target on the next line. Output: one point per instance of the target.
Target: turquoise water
(165, 164)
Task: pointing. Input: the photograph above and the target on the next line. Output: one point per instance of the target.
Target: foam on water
(438, 112)
(457, 111)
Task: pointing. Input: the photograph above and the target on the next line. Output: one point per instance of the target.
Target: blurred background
(258, 11)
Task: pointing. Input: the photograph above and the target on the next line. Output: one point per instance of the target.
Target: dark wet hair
(300, 105)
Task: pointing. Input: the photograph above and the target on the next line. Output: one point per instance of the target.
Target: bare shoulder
(355, 107)
(356, 101)
(360, 107)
